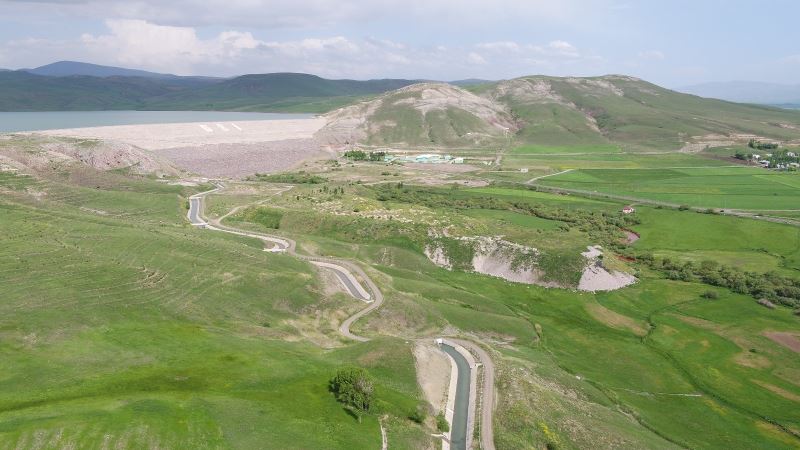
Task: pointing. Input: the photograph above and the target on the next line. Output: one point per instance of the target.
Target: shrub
(354, 388)
(711, 295)
(418, 415)
(441, 423)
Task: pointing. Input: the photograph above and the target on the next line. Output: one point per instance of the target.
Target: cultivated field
(726, 187)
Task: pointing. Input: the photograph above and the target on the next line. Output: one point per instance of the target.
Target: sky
(673, 43)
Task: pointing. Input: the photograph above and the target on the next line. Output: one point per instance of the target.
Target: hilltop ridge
(616, 110)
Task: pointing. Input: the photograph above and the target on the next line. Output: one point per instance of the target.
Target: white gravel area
(596, 278)
(240, 160)
(172, 135)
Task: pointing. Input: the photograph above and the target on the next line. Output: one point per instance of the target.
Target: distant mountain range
(73, 68)
(76, 86)
(748, 92)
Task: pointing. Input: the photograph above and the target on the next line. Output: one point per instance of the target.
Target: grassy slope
(397, 122)
(645, 117)
(619, 367)
(136, 330)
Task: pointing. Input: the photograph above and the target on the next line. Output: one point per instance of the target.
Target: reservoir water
(54, 120)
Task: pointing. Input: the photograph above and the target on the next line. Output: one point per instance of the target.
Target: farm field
(567, 149)
(725, 187)
(606, 160)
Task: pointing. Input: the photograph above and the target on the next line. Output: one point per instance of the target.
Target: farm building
(427, 158)
(628, 210)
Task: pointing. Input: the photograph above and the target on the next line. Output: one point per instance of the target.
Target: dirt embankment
(176, 135)
(433, 374)
(492, 256)
(37, 152)
(239, 160)
(597, 278)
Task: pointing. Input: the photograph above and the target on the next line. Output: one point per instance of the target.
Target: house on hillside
(628, 210)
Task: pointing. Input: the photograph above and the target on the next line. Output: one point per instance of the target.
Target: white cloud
(311, 13)
(563, 48)
(652, 55)
(141, 44)
(475, 58)
(499, 46)
(791, 59)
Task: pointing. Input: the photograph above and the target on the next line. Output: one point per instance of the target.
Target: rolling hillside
(614, 110)
(22, 91)
(630, 113)
(274, 91)
(422, 114)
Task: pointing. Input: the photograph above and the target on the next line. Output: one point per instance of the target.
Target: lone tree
(354, 388)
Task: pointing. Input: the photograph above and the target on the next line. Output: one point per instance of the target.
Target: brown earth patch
(752, 360)
(242, 159)
(744, 358)
(788, 340)
(614, 319)
(778, 390)
(433, 374)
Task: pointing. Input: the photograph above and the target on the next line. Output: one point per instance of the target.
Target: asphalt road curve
(342, 269)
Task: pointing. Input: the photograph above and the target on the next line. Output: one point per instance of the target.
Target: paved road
(345, 270)
(342, 269)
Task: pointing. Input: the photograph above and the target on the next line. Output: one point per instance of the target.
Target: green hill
(609, 111)
(24, 91)
(426, 114)
(274, 91)
(629, 112)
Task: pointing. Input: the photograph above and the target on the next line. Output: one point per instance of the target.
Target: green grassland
(138, 330)
(650, 366)
(600, 160)
(727, 188)
(135, 330)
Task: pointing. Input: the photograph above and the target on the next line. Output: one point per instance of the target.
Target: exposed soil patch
(433, 374)
(788, 340)
(630, 236)
(239, 160)
(447, 168)
(492, 256)
(777, 390)
(614, 319)
(595, 277)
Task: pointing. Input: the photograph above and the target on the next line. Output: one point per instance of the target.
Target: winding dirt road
(372, 295)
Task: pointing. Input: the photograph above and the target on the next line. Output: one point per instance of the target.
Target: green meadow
(725, 187)
(124, 327)
(132, 330)
(654, 365)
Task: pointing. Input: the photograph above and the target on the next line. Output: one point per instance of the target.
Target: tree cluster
(360, 155)
(770, 285)
(354, 388)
